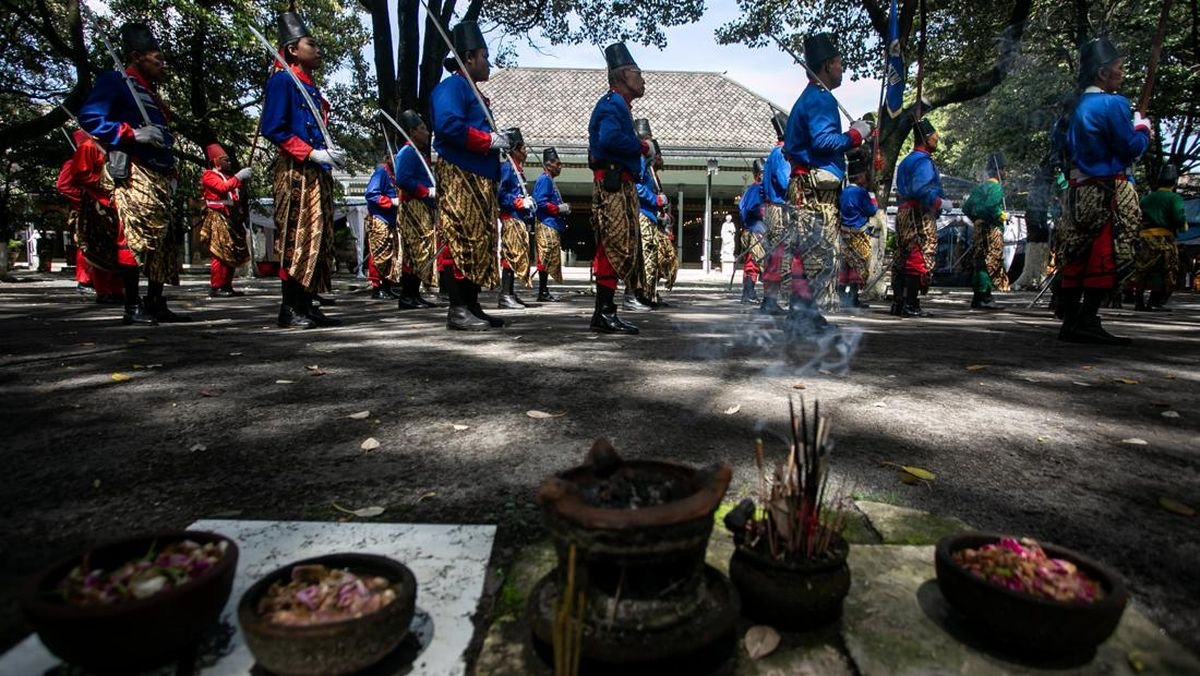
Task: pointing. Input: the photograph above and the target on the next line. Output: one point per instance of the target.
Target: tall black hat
(779, 121)
(549, 155)
(641, 127)
(514, 136)
(995, 163)
(1093, 55)
(617, 56)
(410, 120)
(136, 37)
(757, 166)
(858, 162)
(466, 37)
(818, 49)
(924, 129)
(1168, 175)
(655, 150)
(291, 28)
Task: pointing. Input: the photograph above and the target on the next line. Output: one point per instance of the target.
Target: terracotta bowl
(338, 647)
(794, 596)
(1027, 624)
(137, 634)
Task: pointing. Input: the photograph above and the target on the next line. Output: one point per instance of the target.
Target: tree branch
(1010, 46)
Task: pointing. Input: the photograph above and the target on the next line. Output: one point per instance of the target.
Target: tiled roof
(704, 113)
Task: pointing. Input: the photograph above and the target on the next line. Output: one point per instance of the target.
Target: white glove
(564, 209)
(1142, 122)
(151, 135)
(862, 127)
(947, 205)
(527, 203)
(333, 157)
(432, 191)
(663, 200)
(500, 141)
(243, 174)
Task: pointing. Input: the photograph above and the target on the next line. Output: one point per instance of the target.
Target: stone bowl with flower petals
(1024, 623)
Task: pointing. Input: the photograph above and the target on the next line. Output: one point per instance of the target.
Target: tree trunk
(434, 52)
(408, 53)
(385, 69)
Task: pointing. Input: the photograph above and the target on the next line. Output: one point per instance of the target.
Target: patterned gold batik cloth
(668, 259)
(915, 231)
(774, 218)
(754, 247)
(989, 255)
(224, 237)
(1156, 265)
(97, 234)
(418, 234)
(469, 211)
(1087, 208)
(615, 220)
(304, 219)
(818, 232)
(385, 248)
(856, 251)
(515, 247)
(143, 204)
(648, 237)
(549, 250)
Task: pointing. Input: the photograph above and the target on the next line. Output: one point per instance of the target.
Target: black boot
(291, 315)
(854, 300)
(156, 304)
(508, 296)
(383, 292)
(410, 293)
(753, 291)
(898, 284)
(845, 299)
(747, 290)
(460, 317)
(770, 304)
(604, 318)
(135, 310)
(1087, 327)
(313, 311)
(414, 290)
(633, 302)
(471, 295)
(1068, 311)
(912, 300)
(804, 320)
(318, 299)
(544, 295)
(1156, 302)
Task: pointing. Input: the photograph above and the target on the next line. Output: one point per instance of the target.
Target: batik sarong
(1097, 210)
(224, 237)
(515, 247)
(648, 234)
(418, 235)
(615, 220)
(96, 234)
(143, 204)
(668, 259)
(815, 197)
(549, 251)
(384, 241)
(916, 244)
(856, 254)
(304, 219)
(754, 247)
(469, 212)
(989, 272)
(1156, 265)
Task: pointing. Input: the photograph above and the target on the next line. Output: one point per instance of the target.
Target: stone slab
(897, 622)
(449, 562)
(905, 526)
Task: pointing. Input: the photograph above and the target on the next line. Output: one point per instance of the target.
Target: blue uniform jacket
(813, 137)
(611, 137)
(647, 193)
(1101, 139)
(856, 206)
(509, 191)
(776, 173)
(381, 195)
(287, 120)
(411, 177)
(110, 114)
(461, 132)
(548, 200)
(751, 208)
(917, 179)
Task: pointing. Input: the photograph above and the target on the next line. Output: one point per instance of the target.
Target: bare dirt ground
(1026, 434)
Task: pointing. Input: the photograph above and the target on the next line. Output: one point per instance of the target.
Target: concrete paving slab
(904, 526)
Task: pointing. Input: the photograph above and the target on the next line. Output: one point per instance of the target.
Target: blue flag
(896, 73)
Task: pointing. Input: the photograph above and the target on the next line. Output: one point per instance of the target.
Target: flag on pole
(895, 65)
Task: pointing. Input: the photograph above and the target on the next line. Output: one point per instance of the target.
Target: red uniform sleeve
(125, 133)
(855, 138)
(421, 192)
(478, 141)
(213, 183)
(296, 148)
(384, 202)
(88, 165)
(66, 184)
(645, 147)
(552, 208)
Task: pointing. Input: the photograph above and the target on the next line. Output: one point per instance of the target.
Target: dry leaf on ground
(977, 367)
(459, 428)
(119, 377)
(374, 510)
(211, 393)
(798, 386)
(314, 367)
(235, 354)
(1136, 660)
(733, 409)
(1173, 505)
(541, 415)
(1127, 381)
(918, 472)
(196, 448)
(284, 382)
(1170, 414)
(370, 444)
(137, 340)
(426, 496)
(361, 415)
(1134, 441)
(761, 641)
(1076, 382)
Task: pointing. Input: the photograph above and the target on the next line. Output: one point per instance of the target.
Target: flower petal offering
(317, 594)
(172, 566)
(1023, 566)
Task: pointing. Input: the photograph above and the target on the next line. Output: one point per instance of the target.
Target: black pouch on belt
(612, 177)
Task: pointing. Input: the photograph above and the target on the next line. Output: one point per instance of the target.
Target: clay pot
(134, 635)
(1029, 625)
(337, 647)
(791, 595)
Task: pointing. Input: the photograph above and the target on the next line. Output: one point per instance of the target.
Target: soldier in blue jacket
(615, 156)
(815, 146)
(857, 206)
(776, 174)
(415, 217)
(551, 223)
(650, 201)
(382, 237)
(1102, 218)
(467, 169)
(754, 231)
(303, 185)
(516, 208)
(920, 201)
(143, 169)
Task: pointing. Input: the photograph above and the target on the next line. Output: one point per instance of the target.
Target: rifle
(812, 75)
